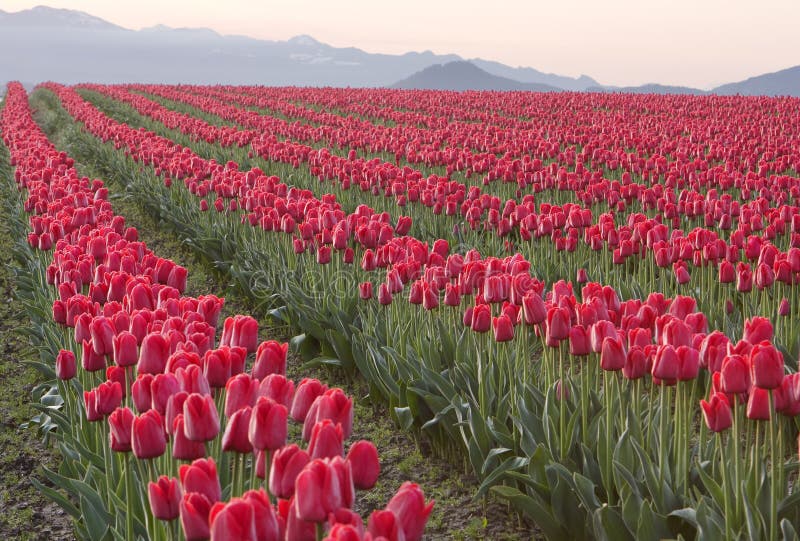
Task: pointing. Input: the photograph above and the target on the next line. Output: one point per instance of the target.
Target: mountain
(530, 75)
(650, 88)
(46, 17)
(71, 47)
(463, 75)
(47, 44)
(780, 83)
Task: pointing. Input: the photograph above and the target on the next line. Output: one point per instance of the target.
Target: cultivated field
(562, 316)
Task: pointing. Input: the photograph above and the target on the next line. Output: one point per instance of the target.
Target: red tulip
(201, 476)
(201, 421)
(162, 388)
(408, 504)
(296, 528)
(182, 447)
(194, 511)
(240, 391)
(165, 497)
(278, 388)
(120, 424)
(235, 437)
(306, 393)
(757, 329)
(481, 318)
(579, 343)
(558, 326)
(766, 366)
(333, 404)
(758, 404)
(287, 463)
(147, 435)
(385, 525)
(635, 363)
(365, 290)
(503, 328)
(265, 521)
(232, 521)
(270, 359)
(363, 458)
(735, 376)
(612, 355)
(268, 425)
(66, 367)
(153, 354)
(141, 392)
(102, 332)
(533, 309)
(317, 491)
(126, 349)
(326, 440)
(717, 412)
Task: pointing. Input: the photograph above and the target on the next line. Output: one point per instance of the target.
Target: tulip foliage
(428, 240)
(168, 430)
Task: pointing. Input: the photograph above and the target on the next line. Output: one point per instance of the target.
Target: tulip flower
(270, 359)
(66, 367)
(182, 447)
(277, 388)
(268, 425)
(717, 412)
(201, 476)
(326, 440)
(365, 464)
(317, 491)
(200, 417)
(287, 463)
(766, 366)
(240, 391)
(333, 404)
(579, 343)
(409, 506)
(612, 355)
(153, 354)
(194, 510)
(503, 328)
(757, 329)
(120, 424)
(481, 318)
(147, 435)
(384, 524)
(735, 376)
(305, 394)
(235, 438)
(758, 404)
(165, 496)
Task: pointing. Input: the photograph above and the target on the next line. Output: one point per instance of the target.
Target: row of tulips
(616, 250)
(131, 343)
(555, 436)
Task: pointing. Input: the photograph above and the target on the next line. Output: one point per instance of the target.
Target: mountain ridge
(72, 46)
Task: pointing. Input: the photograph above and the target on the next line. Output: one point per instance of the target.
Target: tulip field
(590, 302)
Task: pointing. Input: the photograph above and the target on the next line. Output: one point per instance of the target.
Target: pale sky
(700, 43)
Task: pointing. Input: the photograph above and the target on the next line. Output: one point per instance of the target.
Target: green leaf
(586, 490)
(58, 498)
(788, 531)
(535, 508)
(404, 417)
(608, 525)
(510, 464)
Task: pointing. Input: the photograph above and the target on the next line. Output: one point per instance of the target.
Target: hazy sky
(698, 43)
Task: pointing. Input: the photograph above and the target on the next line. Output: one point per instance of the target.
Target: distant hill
(47, 44)
(780, 83)
(463, 75)
(651, 88)
(530, 75)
